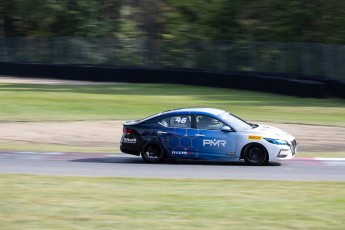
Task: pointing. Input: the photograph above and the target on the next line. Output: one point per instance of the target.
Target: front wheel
(152, 153)
(255, 155)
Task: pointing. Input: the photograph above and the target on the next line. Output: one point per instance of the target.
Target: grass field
(29, 102)
(48, 202)
(42, 202)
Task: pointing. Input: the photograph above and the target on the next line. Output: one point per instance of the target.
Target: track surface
(121, 165)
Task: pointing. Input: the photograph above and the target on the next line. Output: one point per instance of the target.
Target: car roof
(209, 111)
(202, 111)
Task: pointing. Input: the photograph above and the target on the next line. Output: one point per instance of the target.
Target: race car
(205, 134)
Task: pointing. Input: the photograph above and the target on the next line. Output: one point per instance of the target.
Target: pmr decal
(213, 143)
(254, 137)
(129, 140)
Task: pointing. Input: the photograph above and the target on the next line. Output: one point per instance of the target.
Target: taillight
(128, 131)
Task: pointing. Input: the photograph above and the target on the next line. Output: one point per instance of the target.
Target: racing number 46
(181, 120)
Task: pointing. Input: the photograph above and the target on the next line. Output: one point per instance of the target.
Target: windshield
(235, 122)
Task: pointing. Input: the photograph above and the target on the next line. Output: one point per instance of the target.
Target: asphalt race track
(121, 165)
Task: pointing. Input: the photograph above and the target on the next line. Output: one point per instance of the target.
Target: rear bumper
(129, 150)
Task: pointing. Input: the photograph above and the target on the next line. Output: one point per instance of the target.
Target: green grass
(47, 202)
(42, 202)
(30, 102)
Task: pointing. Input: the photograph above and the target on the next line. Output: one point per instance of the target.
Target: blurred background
(296, 45)
(299, 37)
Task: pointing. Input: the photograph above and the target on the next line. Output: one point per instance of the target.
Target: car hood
(270, 132)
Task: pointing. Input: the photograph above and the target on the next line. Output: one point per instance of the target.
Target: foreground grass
(30, 102)
(42, 202)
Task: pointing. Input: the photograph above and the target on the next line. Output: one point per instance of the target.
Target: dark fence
(267, 82)
(324, 60)
(262, 66)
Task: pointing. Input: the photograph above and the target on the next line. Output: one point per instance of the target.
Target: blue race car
(205, 134)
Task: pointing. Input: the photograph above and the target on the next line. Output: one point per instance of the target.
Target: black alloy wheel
(255, 155)
(152, 153)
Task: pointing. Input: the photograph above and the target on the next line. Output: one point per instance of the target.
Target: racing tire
(255, 155)
(152, 153)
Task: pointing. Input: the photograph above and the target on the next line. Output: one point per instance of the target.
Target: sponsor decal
(180, 152)
(252, 137)
(285, 149)
(213, 143)
(129, 140)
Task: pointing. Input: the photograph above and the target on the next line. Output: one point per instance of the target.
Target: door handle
(162, 132)
(199, 135)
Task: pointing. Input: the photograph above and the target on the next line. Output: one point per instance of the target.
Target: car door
(213, 143)
(177, 135)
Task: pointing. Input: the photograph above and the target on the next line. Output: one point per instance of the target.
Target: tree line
(319, 21)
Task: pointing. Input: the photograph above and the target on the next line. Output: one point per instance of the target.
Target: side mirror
(226, 129)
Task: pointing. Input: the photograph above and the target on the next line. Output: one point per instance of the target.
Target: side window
(207, 122)
(164, 122)
(180, 121)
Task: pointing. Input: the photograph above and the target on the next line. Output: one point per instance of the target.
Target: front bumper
(283, 152)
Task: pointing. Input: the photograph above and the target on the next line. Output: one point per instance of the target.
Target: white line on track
(329, 159)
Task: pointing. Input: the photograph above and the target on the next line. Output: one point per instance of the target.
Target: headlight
(276, 141)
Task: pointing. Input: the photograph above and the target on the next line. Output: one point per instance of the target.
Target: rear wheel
(255, 155)
(152, 153)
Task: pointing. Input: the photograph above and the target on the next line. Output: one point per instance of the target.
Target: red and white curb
(321, 160)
